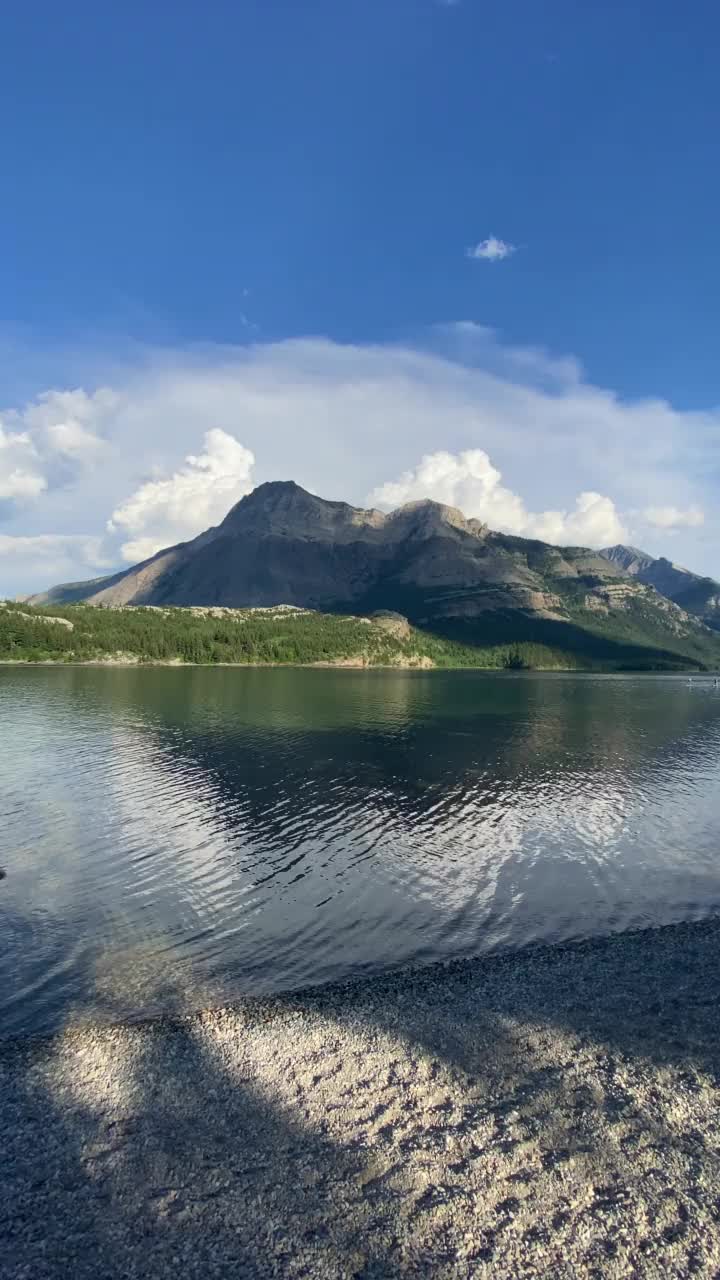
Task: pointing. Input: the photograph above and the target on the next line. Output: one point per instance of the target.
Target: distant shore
(352, 665)
(349, 665)
(553, 1112)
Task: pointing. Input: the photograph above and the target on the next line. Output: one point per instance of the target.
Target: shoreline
(368, 987)
(321, 666)
(554, 1111)
(145, 664)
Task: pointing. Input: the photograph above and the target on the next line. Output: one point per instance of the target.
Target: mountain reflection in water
(177, 837)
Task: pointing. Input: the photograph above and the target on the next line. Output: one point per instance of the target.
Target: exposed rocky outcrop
(44, 619)
(394, 623)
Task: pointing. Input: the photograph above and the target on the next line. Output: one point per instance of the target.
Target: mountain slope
(697, 595)
(447, 574)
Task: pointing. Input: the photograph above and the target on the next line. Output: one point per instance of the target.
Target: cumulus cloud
(164, 511)
(469, 480)
(674, 518)
(491, 250)
(48, 440)
(20, 477)
(68, 420)
(21, 484)
(343, 420)
(72, 439)
(594, 522)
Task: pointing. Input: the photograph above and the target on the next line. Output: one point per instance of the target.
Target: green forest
(91, 633)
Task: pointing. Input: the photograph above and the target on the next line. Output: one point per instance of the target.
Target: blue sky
(193, 193)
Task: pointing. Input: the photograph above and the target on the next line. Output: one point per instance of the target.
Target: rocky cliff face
(697, 595)
(445, 572)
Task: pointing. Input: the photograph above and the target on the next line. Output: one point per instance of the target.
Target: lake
(178, 837)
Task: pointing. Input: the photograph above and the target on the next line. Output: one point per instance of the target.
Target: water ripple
(177, 837)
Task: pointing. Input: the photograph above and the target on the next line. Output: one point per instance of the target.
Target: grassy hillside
(85, 633)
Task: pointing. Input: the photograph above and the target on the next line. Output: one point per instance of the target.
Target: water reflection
(218, 831)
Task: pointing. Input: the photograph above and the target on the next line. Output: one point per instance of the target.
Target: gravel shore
(552, 1113)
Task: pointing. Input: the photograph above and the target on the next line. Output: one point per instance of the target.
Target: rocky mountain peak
(425, 517)
(282, 543)
(630, 559)
(274, 495)
(283, 508)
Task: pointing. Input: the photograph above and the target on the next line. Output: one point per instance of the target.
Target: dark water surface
(178, 837)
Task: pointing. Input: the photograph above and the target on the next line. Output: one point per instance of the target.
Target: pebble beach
(550, 1112)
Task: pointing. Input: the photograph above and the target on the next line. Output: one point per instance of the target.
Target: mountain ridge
(698, 595)
(447, 573)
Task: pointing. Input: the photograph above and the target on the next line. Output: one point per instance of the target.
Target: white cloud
(594, 522)
(674, 518)
(72, 439)
(491, 250)
(469, 480)
(162, 512)
(40, 441)
(19, 484)
(89, 548)
(344, 419)
(476, 346)
(43, 559)
(19, 474)
(68, 416)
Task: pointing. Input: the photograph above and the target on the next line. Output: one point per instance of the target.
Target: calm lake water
(173, 838)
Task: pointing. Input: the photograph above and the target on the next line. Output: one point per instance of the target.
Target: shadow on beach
(550, 1112)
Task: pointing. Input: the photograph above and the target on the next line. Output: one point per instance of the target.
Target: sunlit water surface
(173, 838)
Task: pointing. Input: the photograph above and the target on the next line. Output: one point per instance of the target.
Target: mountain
(697, 595)
(449, 575)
